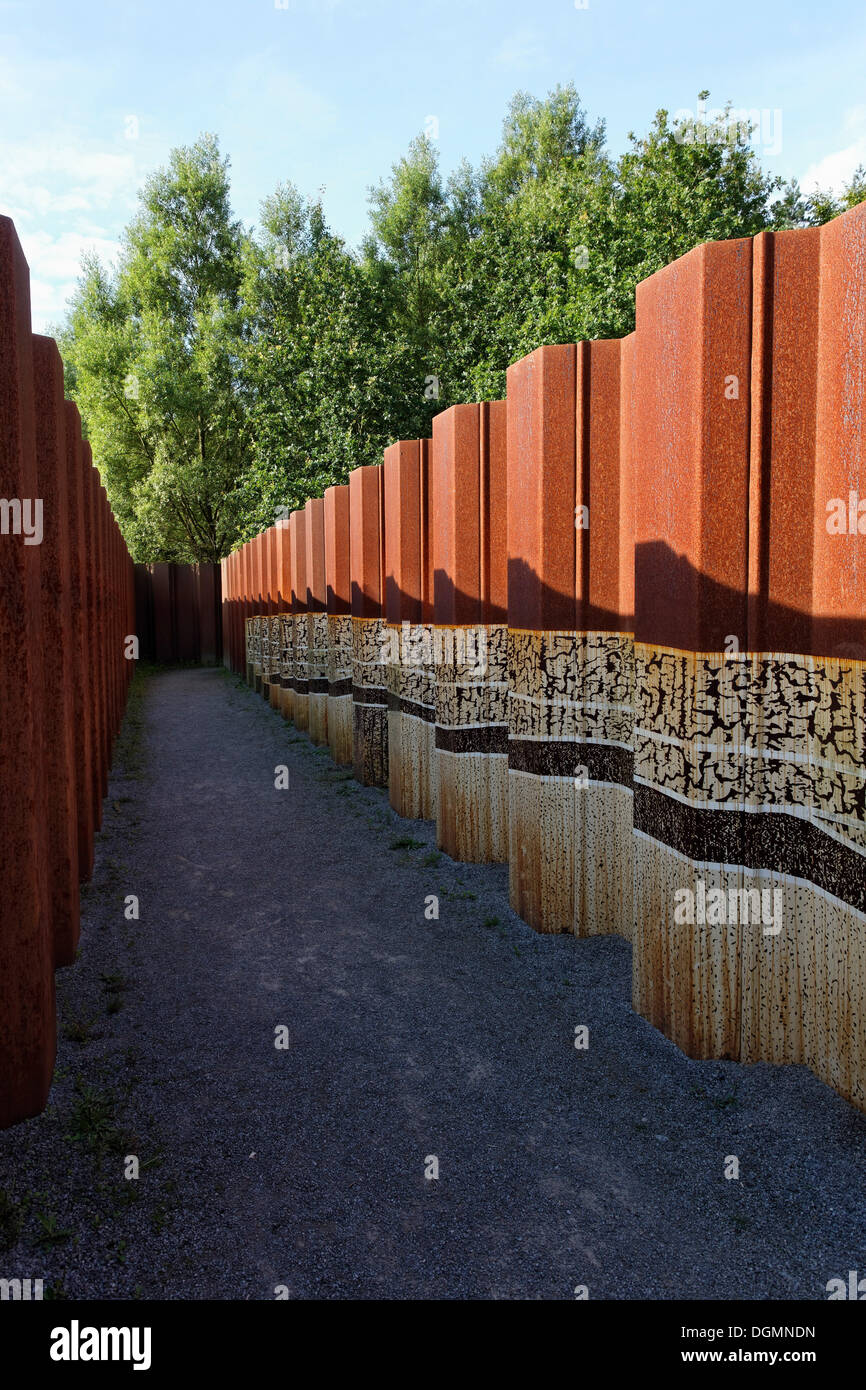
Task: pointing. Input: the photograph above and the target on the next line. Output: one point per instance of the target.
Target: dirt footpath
(298, 916)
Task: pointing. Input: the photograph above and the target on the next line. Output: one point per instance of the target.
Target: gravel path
(408, 1038)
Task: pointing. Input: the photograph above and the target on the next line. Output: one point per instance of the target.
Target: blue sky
(328, 93)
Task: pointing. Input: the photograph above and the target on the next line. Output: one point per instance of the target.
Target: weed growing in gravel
(10, 1220)
(406, 842)
(114, 986)
(458, 894)
(80, 1030)
(50, 1234)
(94, 1122)
(130, 742)
(430, 860)
(114, 983)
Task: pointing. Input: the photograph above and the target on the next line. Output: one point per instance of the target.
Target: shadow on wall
(178, 613)
(677, 606)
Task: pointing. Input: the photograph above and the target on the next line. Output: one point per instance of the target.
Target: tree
(796, 209)
(153, 358)
(329, 374)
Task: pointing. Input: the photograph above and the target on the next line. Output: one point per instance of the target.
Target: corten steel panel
(82, 674)
(107, 668)
(229, 608)
(807, 587)
(542, 490)
(281, 687)
(163, 625)
(98, 654)
(284, 565)
(27, 1021)
(253, 576)
(366, 544)
(236, 612)
(839, 596)
(314, 539)
(252, 598)
(59, 770)
(256, 574)
(101, 634)
(185, 601)
(92, 633)
(298, 542)
(690, 444)
(242, 605)
(225, 611)
(403, 532)
(494, 512)
(247, 607)
(457, 520)
(802, 686)
(108, 660)
(338, 582)
(425, 465)
(117, 657)
(316, 623)
(115, 652)
(143, 626)
(339, 604)
(272, 578)
(626, 483)
(690, 437)
(300, 698)
(262, 549)
(234, 602)
(570, 644)
(604, 560)
(471, 731)
(470, 531)
(410, 672)
(369, 648)
(115, 647)
(207, 591)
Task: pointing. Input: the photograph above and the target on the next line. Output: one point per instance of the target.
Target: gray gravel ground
(408, 1038)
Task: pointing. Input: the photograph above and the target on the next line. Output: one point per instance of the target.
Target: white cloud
(521, 49)
(836, 169)
(55, 264)
(65, 198)
(48, 303)
(53, 176)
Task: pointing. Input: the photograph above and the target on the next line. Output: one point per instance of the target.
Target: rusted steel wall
(300, 676)
(570, 642)
(369, 644)
(408, 631)
(469, 561)
(614, 630)
(179, 613)
(316, 620)
(66, 605)
(339, 604)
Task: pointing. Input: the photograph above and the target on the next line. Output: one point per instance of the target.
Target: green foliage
(796, 209)
(152, 352)
(223, 375)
